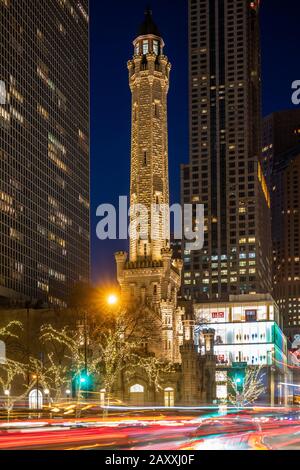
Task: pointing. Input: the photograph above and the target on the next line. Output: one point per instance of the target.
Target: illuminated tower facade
(151, 277)
(149, 74)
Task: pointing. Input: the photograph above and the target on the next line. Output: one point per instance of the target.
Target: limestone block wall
(149, 85)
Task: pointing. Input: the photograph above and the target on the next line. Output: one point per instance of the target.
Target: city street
(250, 430)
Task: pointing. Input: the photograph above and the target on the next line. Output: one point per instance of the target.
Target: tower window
(156, 110)
(155, 290)
(156, 47)
(137, 49)
(145, 158)
(145, 46)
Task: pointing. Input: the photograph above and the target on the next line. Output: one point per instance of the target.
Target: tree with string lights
(247, 389)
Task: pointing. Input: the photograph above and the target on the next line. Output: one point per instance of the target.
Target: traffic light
(239, 379)
(237, 375)
(83, 381)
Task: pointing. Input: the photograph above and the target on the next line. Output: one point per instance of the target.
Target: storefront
(246, 332)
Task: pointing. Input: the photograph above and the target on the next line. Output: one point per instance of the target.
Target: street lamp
(36, 377)
(68, 393)
(7, 393)
(112, 299)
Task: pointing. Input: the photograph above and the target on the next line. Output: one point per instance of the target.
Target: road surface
(236, 431)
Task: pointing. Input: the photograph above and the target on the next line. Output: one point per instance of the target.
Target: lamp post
(36, 377)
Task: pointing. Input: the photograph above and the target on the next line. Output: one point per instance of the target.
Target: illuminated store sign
(216, 315)
(235, 313)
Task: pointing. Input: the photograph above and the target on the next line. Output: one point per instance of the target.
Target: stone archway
(137, 395)
(169, 397)
(35, 400)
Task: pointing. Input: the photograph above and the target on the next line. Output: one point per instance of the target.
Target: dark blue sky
(113, 28)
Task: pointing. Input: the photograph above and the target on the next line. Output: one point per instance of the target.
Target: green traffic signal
(84, 380)
(239, 381)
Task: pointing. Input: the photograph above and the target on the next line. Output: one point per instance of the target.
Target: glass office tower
(44, 149)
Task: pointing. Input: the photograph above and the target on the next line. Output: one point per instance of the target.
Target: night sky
(113, 28)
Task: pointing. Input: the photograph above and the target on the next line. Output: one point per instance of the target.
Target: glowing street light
(112, 299)
(7, 393)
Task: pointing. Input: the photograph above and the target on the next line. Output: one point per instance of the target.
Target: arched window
(137, 388)
(35, 400)
(145, 46)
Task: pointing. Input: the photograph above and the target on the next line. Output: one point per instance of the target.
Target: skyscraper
(281, 132)
(44, 149)
(286, 237)
(281, 152)
(224, 172)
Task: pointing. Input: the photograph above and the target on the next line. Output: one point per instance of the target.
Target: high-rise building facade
(224, 173)
(44, 149)
(286, 237)
(281, 159)
(281, 132)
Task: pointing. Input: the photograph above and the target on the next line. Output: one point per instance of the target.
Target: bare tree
(48, 374)
(251, 390)
(11, 330)
(10, 372)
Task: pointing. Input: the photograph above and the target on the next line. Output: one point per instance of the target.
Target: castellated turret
(150, 276)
